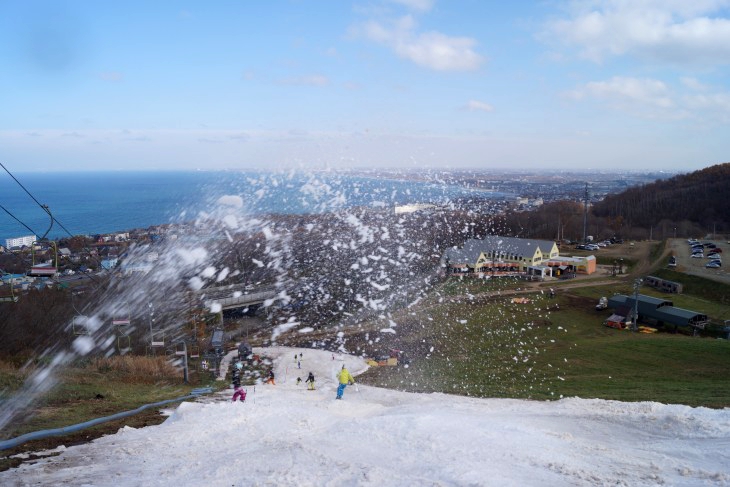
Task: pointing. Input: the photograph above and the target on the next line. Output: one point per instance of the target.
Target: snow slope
(286, 435)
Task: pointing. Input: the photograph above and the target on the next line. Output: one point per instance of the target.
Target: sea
(91, 203)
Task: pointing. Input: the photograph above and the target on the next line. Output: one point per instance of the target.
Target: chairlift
(122, 317)
(9, 298)
(47, 269)
(124, 344)
(79, 325)
(194, 351)
(180, 349)
(157, 338)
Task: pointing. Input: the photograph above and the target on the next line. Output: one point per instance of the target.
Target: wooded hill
(700, 197)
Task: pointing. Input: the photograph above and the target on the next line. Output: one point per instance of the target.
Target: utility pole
(585, 214)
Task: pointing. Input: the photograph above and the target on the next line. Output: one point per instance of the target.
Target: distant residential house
(585, 264)
(64, 252)
(109, 264)
(20, 241)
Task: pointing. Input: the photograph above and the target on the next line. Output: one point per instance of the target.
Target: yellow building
(495, 253)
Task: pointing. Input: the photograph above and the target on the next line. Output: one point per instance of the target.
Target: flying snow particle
(307, 329)
(230, 221)
(192, 256)
(387, 330)
(195, 283)
(83, 345)
(208, 272)
(231, 200)
(216, 308)
(222, 274)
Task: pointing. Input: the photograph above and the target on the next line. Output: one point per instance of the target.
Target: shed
(647, 305)
(680, 317)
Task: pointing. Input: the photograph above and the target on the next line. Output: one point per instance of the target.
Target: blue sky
(588, 85)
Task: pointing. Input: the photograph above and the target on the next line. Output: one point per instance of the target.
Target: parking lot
(685, 263)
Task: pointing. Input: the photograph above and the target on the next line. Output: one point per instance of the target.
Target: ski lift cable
(44, 207)
(17, 219)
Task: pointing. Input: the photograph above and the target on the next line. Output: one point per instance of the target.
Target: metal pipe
(39, 435)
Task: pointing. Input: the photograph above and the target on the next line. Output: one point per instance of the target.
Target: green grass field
(538, 351)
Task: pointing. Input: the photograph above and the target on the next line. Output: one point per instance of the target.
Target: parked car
(592, 247)
(714, 257)
(713, 264)
(698, 256)
(716, 250)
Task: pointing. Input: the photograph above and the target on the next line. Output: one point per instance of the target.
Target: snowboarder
(238, 391)
(270, 380)
(345, 379)
(310, 379)
(299, 365)
(299, 380)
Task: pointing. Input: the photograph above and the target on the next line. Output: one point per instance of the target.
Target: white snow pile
(286, 435)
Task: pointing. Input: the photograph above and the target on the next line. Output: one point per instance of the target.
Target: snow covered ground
(284, 435)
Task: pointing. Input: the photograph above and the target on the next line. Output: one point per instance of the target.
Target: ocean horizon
(89, 203)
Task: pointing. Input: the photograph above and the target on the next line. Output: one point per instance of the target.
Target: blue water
(104, 202)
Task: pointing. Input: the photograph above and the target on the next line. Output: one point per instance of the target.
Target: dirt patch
(28, 452)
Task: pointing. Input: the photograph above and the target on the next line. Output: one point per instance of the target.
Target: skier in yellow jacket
(345, 378)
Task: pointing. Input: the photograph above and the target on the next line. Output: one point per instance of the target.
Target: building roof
(472, 248)
(647, 304)
(679, 316)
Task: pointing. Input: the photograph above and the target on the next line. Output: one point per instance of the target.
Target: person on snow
(238, 391)
(310, 379)
(299, 365)
(299, 380)
(270, 380)
(345, 379)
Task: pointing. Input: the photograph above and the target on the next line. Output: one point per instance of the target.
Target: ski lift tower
(121, 321)
(157, 334)
(635, 318)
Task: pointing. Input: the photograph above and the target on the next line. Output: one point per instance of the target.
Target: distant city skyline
(598, 85)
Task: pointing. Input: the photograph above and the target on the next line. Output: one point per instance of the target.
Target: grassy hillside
(546, 349)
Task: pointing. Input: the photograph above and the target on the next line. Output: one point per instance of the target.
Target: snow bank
(286, 435)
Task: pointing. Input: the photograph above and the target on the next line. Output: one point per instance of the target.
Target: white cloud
(712, 105)
(629, 91)
(432, 50)
(652, 98)
(675, 31)
(475, 105)
(693, 84)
